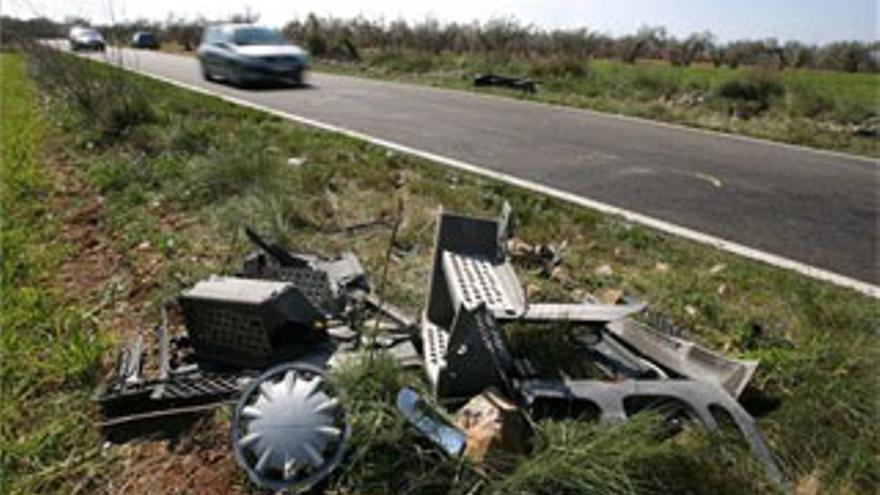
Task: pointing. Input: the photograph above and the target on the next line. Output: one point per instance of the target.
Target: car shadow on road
(268, 87)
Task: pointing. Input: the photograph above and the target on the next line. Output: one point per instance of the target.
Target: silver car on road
(85, 38)
(245, 54)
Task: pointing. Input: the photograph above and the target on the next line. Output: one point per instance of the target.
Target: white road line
(654, 223)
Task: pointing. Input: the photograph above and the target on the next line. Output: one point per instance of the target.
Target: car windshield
(257, 36)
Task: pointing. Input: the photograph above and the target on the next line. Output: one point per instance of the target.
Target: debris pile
(265, 336)
(262, 337)
(524, 85)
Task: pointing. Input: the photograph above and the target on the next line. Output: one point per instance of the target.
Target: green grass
(816, 108)
(216, 167)
(49, 352)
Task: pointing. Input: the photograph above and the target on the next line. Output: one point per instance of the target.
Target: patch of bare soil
(196, 462)
(96, 274)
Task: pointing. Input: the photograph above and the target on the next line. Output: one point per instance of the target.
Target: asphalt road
(813, 207)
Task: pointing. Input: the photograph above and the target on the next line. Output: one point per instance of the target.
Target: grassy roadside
(50, 351)
(179, 181)
(813, 108)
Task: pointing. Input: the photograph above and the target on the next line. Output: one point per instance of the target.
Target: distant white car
(85, 38)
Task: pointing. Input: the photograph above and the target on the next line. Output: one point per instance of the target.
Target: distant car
(144, 39)
(85, 38)
(244, 54)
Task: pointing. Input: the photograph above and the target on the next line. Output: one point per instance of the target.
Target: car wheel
(206, 73)
(297, 80)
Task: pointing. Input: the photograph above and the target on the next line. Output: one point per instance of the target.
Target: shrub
(810, 103)
(106, 100)
(756, 87)
(751, 95)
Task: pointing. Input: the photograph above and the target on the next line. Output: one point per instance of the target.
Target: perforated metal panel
(435, 341)
(246, 322)
(216, 325)
(314, 285)
(475, 281)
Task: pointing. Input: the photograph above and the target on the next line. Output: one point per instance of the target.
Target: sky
(812, 21)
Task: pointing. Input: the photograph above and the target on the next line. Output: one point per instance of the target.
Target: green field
(821, 109)
(176, 175)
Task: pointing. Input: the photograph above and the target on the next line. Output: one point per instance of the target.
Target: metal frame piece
(406, 322)
(701, 401)
(477, 356)
(164, 355)
(615, 359)
(683, 357)
(162, 398)
(470, 358)
(128, 363)
(577, 313)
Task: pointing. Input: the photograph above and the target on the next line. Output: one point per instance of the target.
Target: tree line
(345, 39)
